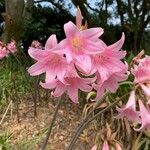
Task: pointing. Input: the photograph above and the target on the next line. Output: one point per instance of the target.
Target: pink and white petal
(50, 85)
(84, 63)
(37, 54)
(61, 76)
(73, 93)
(93, 33)
(70, 29)
(50, 76)
(92, 47)
(112, 86)
(85, 87)
(37, 69)
(51, 42)
(60, 89)
(68, 56)
(60, 48)
(118, 45)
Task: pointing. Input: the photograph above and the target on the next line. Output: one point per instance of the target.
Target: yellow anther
(76, 42)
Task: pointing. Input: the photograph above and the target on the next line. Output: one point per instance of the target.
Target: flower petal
(118, 45)
(37, 54)
(51, 42)
(92, 33)
(60, 89)
(70, 29)
(73, 93)
(37, 69)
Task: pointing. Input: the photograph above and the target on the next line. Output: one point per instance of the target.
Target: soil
(29, 132)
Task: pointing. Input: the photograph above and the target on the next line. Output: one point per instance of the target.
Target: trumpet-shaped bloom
(109, 61)
(141, 71)
(74, 82)
(129, 110)
(145, 117)
(48, 62)
(105, 146)
(79, 44)
(111, 83)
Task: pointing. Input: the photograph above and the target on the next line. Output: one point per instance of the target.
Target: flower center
(76, 42)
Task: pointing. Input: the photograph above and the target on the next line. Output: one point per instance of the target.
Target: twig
(51, 125)
(5, 112)
(86, 122)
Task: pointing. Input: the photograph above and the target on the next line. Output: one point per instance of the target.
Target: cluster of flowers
(80, 61)
(5, 49)
(139, 114)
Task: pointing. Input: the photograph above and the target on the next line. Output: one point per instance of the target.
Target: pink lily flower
(141, 72)
(109, 61)
(105, 146)
(80, 44)
(129, 110)
(145, 117)
(111, 83)
(75, 82)
(48, 62)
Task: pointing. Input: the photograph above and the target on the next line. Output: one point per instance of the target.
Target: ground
(29, 133)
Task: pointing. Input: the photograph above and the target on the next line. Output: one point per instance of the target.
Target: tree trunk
(16, 13)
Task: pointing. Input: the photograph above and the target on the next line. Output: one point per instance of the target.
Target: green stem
(86, 122)
(51, 125)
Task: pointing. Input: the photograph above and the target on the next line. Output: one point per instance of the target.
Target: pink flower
(141, 71)
(109, 61)
(145, 117)
(129, 110)
(111, 83)
(74, 83)
(11, 47)
(3, 52)
(48, 62)
(80, 44)
(105, 146)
